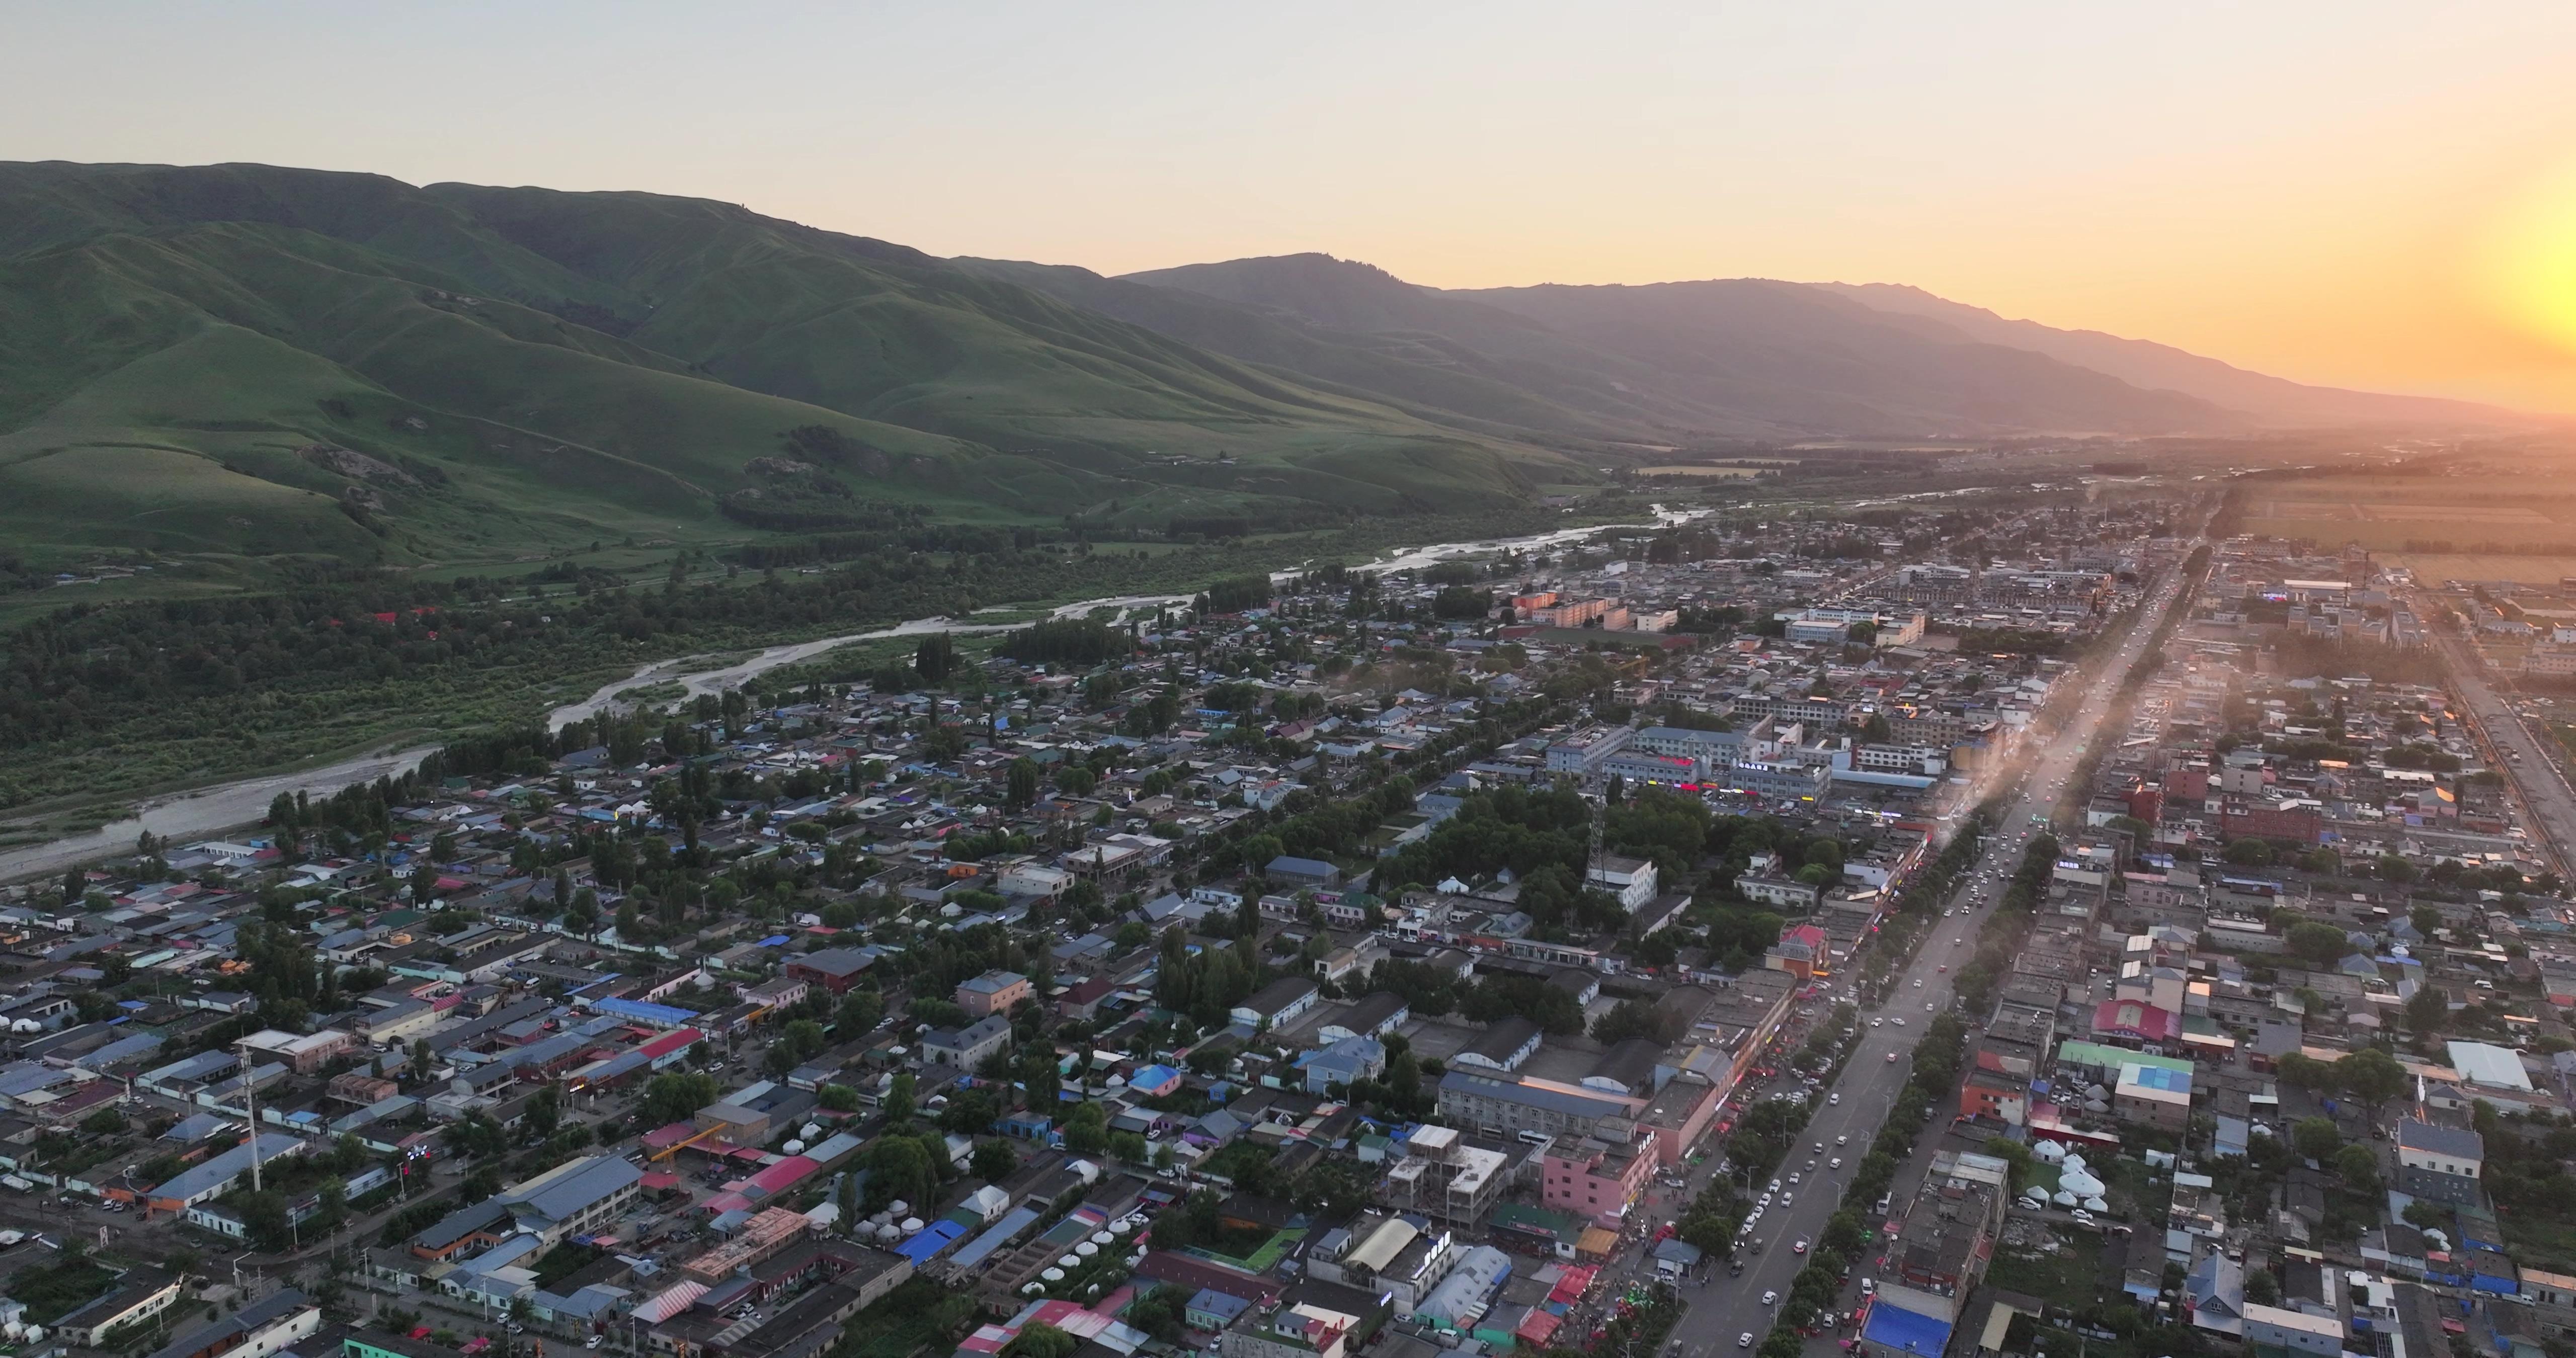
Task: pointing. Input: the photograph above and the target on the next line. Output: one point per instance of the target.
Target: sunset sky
(2371, 195)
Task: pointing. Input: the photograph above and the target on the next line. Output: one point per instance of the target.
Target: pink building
(1596, 1180)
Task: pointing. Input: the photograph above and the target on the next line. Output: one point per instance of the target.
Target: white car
(1945, 914)
(1793, 1178)
(1835, 1163)
(1875, 1022)
(1899, 1021)
(1927, 1006)
(1785, 1199)
(1869, 1287)
(1918, 983)
(1744, 1340)
(1842, 1141)
(1775, 1185)
(1770, 1298)
(1833, 1100)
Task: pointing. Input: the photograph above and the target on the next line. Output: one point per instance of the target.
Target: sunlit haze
(2369, 195)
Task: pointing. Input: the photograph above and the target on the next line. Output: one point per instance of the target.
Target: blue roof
(925, 1245)
(981, 1247)
(2157, 1077)
(1895, 1328)
(649, 1013)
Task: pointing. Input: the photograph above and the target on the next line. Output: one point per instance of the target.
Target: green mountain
(240, 362)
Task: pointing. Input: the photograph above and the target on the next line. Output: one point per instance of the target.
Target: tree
(935, 657)
(2316, 1139)
(1086, 1130)
(2307, 1072)
(899, 1168)
(1021, 791)
(2358, 1166)
(2425, 918)
(2260, 1288)
(898, 1100)
(994, 1160)
(2372, 1076)
(676, 1096)
(420, 1058)
(1038, 1339)
(2251, 853)
(2319, 945)
(858, 1016)
(2427, 1009)
(1040, 1078)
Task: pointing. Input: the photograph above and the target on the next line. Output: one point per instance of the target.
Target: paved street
(1723, 1308)
(2538, 777)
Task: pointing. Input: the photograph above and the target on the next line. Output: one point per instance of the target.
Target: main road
(2538, 778)
(1723, 1309)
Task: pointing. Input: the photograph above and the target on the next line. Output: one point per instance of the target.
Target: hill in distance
(242, 361)
(1767, 359)
(250, 365)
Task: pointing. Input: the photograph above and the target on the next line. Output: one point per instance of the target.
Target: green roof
(2094, 1055)
(1536, 1221)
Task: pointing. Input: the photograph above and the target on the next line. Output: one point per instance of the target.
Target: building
(1293, 873)
(2277, 1329)
(1279, 1003)
(255, 1331)
(834, 969)
(572, 1198)
(303, 1053)
(139, 1296)
(2154, 1095)
(1530, 1109)
(1595, 1179)
(1582, 753)
(1375, 1015)
(214, 1176)
(994, 992)
(1504, 1045)
(2441, 1163)
(966, 1048)
(1782, 893)
(1631, 880)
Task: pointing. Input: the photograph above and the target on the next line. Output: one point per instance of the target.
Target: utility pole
(250, 1104)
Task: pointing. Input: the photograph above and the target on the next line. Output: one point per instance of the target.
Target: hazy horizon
(2366, 196)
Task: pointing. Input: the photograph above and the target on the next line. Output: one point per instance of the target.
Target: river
(222, 806)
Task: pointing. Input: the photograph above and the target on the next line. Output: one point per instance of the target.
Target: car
(1800, 1247)
(1945, 914)
(1842, 1141)
(1958, 943)
(1944, 967)
(1891, 1058)
(1899, 1020)
(1775, 1185)
(1869, 1287)
(1833, 1100)
(1820, 1148)
(1793, 1178)
(1744, 1340)
(1835, 1163)
(2082, 1217)
(1918, 983)
(1927, 1006)
(1785, 1199)
(1770, 1298)
(1874, 1022)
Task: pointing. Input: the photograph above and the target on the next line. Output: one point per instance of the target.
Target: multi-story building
(1631, 880)
(1581, 753)
(1595, 1179)
(2437, 1162)
(1530, 1109)
(994, 992)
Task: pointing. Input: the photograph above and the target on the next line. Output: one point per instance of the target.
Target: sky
(2364, 194)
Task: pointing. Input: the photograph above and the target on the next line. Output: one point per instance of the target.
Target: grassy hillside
(236, 368)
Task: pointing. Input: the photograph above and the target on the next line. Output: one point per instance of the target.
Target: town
(1966, 928)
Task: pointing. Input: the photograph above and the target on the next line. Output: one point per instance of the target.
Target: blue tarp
(1901, 1330)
